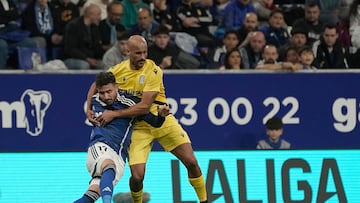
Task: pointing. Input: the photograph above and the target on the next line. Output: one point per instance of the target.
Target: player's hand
(90, 115)
(163, 110)
(105, 117)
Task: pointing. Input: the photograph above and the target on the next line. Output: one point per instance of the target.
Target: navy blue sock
(89, 197)
(106, 185)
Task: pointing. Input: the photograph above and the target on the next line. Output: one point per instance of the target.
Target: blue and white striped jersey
(117, 133)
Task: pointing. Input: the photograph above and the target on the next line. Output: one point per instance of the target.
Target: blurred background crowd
(287, 35)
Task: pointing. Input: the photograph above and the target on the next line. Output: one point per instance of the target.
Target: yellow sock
(199, 186)
(137, 196)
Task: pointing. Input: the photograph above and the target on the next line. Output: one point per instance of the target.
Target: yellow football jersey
(135, 82)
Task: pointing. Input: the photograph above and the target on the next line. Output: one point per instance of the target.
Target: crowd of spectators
(285, 35)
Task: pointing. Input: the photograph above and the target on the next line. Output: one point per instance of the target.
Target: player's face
(108, 93)
(274, 135)
(137, 55)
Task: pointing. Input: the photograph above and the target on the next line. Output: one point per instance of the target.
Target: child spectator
(291, 55)
(274, 130)
(275, 32)
(306, 57)
(118, 52)
(229, 42)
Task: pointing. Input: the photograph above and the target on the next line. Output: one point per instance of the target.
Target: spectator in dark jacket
(330, 54)
(145, 24)
(63, 11)
(167, 55)
(8, 24)
(110, 26)
(82, 41)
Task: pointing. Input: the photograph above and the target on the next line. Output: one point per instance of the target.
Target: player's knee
(137, 173)
(109, 166)
(94, 185)
(191, 163)
(138, 177)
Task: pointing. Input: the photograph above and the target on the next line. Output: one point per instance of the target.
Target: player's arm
(156, 121)
(90, 115)
(141, 108)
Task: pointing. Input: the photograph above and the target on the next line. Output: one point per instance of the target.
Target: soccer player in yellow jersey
(142, 78)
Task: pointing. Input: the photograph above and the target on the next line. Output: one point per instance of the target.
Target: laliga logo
(30, 111)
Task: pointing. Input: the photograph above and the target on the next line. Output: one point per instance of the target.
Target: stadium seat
(30, 57)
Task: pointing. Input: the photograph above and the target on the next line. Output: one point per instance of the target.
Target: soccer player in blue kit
(108, 146)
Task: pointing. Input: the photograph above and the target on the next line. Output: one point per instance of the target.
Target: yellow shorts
(170, 136)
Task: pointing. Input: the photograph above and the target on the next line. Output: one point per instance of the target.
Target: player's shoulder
(119, 66)
(127, 99)
(151, 65)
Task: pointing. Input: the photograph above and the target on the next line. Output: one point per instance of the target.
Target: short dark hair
(228, 32)
(305, 48)
(330, 26)
(274, 123)
(124, 35)
(104, 78)
(109, 6)
(275, 11)
(161, 29)
(298, 30)
(311, 4)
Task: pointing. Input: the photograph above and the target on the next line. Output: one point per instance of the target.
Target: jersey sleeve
(153, 120)
(129, 100)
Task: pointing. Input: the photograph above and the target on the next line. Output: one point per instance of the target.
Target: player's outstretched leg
(106, 183)
(186, 154)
